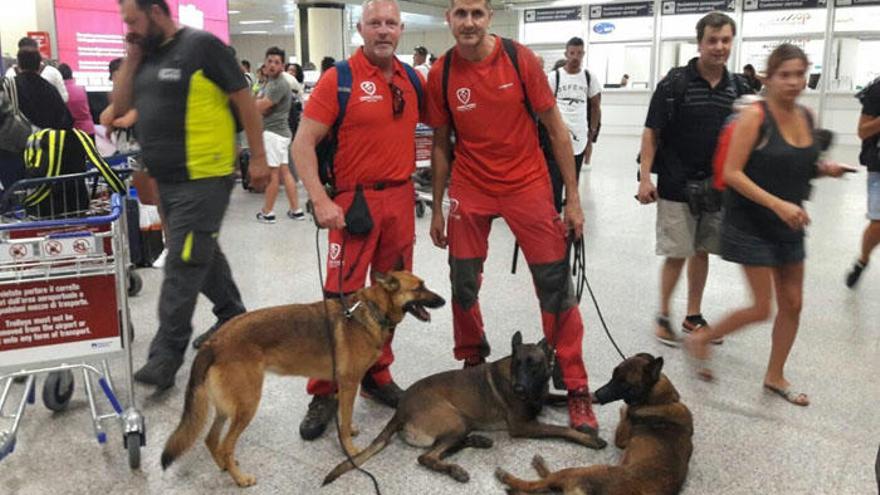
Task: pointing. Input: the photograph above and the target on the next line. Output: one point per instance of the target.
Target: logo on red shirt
(369, 87)
(464, 96)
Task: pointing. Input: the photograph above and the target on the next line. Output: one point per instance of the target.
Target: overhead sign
(681, 7)
(618, 10)
(43, 43)
(553, 15)
(783, 4)
(776, 23)
(856, 3)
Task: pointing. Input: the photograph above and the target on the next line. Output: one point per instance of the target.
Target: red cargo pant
(388, 244)
(542, 236)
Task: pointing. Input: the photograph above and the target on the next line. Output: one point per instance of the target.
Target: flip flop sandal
(670, 339)
(790, 395)
(702, 325)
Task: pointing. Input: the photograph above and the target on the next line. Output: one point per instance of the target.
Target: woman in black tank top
(768, 171)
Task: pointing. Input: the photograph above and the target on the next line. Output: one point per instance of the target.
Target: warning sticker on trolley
(52, 312)
(68, 246)
(17, 252)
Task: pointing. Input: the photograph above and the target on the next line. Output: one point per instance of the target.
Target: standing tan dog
(441, 411)
(655, 432)
(228, 371)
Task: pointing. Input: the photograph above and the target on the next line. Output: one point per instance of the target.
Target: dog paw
(245, 480)
(459, 474)
(502, 475)
(597, 443)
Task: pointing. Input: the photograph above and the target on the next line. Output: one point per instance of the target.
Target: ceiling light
(233, 12)
(255, 32)
(263, 21)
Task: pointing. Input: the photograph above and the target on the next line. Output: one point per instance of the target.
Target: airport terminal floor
(746, 441)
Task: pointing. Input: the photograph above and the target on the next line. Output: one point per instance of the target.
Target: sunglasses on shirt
(397, 101)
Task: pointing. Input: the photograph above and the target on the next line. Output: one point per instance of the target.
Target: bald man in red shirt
(376, 152)
(499, 171)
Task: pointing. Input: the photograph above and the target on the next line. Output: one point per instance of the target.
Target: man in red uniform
(499, 171)
(376, 152)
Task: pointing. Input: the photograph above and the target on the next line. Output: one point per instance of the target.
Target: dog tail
(195, 408)
(374, 448)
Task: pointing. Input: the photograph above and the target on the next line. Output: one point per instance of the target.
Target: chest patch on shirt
(464, 98)
(369, 89)
(169, 75)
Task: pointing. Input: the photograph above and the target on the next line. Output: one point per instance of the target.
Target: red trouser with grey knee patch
(541, 236)
(386, 246)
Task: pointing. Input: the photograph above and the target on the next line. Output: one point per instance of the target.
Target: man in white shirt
(48, 72)
(578, 96)
(420, 60)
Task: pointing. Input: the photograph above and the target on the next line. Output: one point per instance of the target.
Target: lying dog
(228, 371)
(655, 432)
(440, 412)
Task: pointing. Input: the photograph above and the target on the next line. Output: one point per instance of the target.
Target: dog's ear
(388, 282)
(653, 369)
(516, 341)
(545, 347)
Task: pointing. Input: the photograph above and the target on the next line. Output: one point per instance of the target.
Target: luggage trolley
(64, 301)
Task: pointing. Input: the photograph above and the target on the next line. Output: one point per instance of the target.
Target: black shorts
(741, 247)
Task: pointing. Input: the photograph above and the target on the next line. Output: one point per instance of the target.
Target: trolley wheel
(420, 209)
(57, 390)
(133, 445)
(135, 283)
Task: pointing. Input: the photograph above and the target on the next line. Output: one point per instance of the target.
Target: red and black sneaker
(580, 412)
(696, 323)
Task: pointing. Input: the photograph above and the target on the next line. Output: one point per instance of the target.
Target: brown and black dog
(440, 412)
(229, 369)
(655, 432)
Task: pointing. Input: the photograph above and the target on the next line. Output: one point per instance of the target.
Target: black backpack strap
(556, 88)
(676, 88)
(510, 49)
(587, 73)
(447, 64)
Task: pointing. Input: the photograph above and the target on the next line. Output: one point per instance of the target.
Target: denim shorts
(744, 248)
(873, 195)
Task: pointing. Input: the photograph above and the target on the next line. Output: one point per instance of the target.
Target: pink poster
(91, 33)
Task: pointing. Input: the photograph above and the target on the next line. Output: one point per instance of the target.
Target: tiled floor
(746, 441)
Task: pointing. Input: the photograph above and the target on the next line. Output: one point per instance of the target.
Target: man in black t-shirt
(687, 111)
(182, 81)
(869, 133)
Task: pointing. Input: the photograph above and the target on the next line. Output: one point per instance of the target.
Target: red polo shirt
(374, 145)
(496, 147)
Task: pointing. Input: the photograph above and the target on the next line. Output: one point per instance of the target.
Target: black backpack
(675, 95)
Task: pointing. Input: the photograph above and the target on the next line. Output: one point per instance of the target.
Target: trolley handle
(115, 211)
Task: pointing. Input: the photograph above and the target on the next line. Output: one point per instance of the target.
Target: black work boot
(159, 371)
(321, 412)
(201, 339)
(388, 394)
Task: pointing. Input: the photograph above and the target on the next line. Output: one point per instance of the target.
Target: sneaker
(388, 394)
(321, 412)
(473, 361)
(201, 339)
(159, 371)
(266, 217)
(852, 278)
(664, 333)
(297, 214)
(580, 412)
(696, 323)
(160, 261)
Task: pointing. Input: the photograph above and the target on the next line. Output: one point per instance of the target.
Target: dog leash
(348, 314)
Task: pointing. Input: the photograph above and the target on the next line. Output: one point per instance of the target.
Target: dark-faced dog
(655, 432)
(440, 412)
(229, 369)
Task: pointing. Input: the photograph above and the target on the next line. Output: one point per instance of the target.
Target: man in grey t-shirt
(273, 101)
